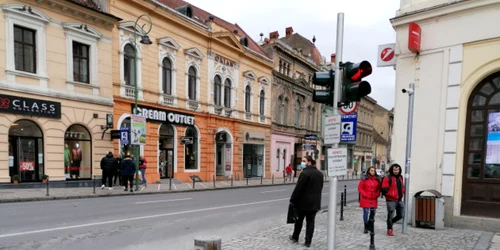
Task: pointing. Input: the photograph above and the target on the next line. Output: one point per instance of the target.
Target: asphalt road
(163, 221)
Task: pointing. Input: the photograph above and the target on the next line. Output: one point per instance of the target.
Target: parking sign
(348, 128)
(124, 136)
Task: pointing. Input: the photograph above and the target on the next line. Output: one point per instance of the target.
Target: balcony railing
(218, 110)
(129, 91)
(248, 115)
(168, 100)
(228, 112)
(194, 105)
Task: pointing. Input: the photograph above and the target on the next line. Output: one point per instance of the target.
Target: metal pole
(94, 184)
(332, 206)
(341, 206)
(170, 183)
(272, 179)
(345, 195)
(371, 223)
(232, 178)
(409, 129)
(47, 186)
(214, 181)
(194, 182)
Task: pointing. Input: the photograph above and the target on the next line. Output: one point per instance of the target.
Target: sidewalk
(38, 194)
(349, 235)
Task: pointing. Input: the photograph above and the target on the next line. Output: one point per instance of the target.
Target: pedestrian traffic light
(354, 88)
(327, 80)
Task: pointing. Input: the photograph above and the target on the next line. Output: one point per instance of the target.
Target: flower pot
(15, 181)
(44, 181)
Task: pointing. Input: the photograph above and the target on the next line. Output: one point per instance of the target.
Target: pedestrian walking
(127, 167)
(109, 164)
(143, 164)
(289, 171)
(393, 189)
(369, 189)
(306, 199)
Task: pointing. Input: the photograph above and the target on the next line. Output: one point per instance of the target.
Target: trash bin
(428, 210)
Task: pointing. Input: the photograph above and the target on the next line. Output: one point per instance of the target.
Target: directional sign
(349, 108)
(348, 128)
(124, 136)
(332, 129)
(337, 161)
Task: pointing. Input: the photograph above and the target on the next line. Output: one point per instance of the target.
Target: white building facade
(457, 100)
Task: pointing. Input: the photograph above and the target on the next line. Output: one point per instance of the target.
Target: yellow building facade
(207, 75)
(56, 81)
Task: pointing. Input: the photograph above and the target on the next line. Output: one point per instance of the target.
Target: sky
(366, 26)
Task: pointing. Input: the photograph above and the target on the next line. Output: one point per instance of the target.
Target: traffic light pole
(332, 206)
(409, 129)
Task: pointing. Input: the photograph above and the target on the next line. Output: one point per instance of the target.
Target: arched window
(309, 118)
(78, 153)
(129, 65)
(277, 114)
(247, 98)
(191, 150)
(25, 149)
(278, 160)
(227, 93)
(284, 110)
(192, 75)
(167, 76)
(297, 113)
(217, 90)
(262, 100)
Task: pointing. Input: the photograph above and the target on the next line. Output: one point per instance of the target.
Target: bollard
(341, 206)
(371, 223)
(207, 243)
(359, 197)
(214, 181)
(194, 182)
(272, 179)
(232, 178)
(94, 184)
(345, 195)
(170, 183)
(261, 177)
(47, 186)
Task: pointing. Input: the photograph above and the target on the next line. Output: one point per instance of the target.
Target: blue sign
(348, 128)
(124, 136)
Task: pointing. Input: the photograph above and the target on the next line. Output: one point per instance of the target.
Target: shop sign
(258, 137)
(30, 107)
(310, 137)
(166, 116)
(186, 140)
(224, 61)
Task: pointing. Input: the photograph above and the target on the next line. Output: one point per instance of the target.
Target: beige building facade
(382, 130)
(363, 153)
(56, 81)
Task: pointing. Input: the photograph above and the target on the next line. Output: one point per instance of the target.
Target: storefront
(67, 155)
(256, 151)
(282, 153)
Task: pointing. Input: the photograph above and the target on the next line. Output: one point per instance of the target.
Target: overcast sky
(366, 26)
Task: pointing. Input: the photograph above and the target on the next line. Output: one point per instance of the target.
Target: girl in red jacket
(369, 189)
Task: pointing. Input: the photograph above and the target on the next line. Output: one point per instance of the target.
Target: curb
(16, 200)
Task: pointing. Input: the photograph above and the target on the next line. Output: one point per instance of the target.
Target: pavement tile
(349, 235)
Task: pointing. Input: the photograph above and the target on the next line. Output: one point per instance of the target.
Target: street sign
(138, 130)
(332, 129)
(348, 128)
(124, 136)
(349, 108)
(337, 161)
(386, 55)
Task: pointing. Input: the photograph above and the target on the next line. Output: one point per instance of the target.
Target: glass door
(170, 163)
(27, 159)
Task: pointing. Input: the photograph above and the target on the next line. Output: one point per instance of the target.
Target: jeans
(310, 217)
(366, 213)
(143, 174)
(398, 206)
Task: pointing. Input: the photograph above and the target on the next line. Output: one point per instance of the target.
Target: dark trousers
(107, 175)
(392, 206)
(310, 217)
(117, 176)
(128, 178)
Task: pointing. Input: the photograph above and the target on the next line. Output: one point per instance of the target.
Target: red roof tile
(203, 15)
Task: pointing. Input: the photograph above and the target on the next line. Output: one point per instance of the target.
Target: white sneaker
(110, 188)
(103, 186)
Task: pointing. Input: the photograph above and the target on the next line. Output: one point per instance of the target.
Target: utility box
(428, 210)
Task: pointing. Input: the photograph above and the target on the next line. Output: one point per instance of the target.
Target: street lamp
(144, 40)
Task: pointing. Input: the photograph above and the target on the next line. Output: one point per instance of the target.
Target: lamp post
(144, 40)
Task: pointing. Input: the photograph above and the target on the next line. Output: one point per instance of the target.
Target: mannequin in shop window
(76, 155)
(67, 157)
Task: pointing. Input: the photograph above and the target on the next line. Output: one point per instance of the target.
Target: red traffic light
(360, 70)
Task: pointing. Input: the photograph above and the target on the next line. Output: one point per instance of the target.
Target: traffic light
(327, 80)
(353, 87)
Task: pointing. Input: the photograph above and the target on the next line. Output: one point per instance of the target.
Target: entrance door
(219, 159)
(24, 158)
(166, 163)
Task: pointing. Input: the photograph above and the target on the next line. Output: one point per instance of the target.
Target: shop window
(262, 101)
(191, 149)
(167, 76)
(26, 156)
(248, 94)
(77, 153)
(278, 160)
(129, 65)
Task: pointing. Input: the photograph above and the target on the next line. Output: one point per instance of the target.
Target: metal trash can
(428, 210)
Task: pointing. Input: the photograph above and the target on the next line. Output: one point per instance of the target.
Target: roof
(298, 41)
(203, 15)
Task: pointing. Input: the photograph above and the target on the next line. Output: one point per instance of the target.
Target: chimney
(273, 36)
(332, 57)
(289, 31)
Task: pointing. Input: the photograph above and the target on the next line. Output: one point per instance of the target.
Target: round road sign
(349, 109)
(387, 54)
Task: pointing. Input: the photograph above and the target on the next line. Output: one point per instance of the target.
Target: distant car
(380, 172)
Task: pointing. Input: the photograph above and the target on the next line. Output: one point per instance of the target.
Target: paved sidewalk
(349, 235)
(37, 194)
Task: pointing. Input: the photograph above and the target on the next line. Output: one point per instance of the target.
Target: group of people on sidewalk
(122, 169)
(305, 201)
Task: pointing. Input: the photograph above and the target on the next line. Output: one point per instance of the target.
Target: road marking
(189, 185)
(175, 187)
(271, 191)
(142, 187)
(139, 218)
(159, 201)
(225, 183)
(202, 184)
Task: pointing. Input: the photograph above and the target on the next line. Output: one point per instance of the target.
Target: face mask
(303, 164)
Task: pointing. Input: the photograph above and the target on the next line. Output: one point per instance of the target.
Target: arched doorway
(191, 149)
(481, 168)
(26, 151)
(77, 153)
(223, 153)
(167, 151)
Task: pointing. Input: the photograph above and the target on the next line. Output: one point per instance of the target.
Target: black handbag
(292, 214)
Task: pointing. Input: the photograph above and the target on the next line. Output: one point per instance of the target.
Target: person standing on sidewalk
(306, 198)
(393, 189)
(127, 167)
(369, 189)
(289, 171)
(109, 164)
(143, 164)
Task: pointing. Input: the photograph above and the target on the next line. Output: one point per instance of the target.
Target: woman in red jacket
(369, 189)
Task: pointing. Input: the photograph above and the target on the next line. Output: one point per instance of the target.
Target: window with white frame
(248, 95)
(262, 102)
(192, 75)
(166, 67)
(297, 113)
(217, 90)
(227, 93)
(277, 114)
(129, 69)
(25, 39)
